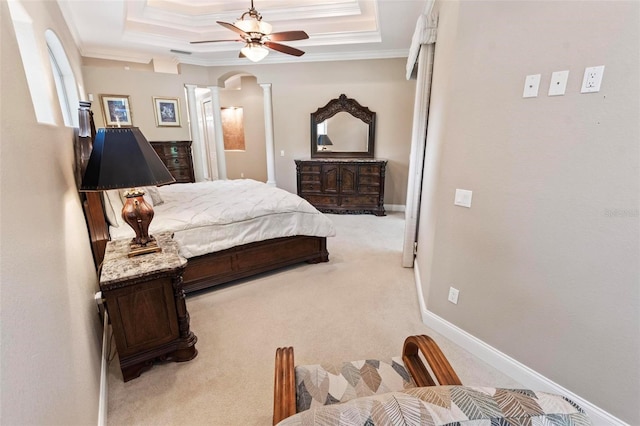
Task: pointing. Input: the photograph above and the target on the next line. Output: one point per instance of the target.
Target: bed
(277, 238)
(227, 229)
(243, 227)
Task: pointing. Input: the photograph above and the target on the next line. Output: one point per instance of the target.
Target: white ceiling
(146, 30)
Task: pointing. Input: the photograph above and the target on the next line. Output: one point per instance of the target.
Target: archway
(257, 160)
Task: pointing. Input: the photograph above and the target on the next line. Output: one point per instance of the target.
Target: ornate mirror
(343, 128)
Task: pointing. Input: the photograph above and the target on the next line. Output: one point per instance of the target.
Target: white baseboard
(104, 370)
(504, 363)
(394, 207)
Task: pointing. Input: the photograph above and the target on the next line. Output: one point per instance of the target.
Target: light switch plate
(463, 198)
(558, 84)
(453, 295)
(531, 86)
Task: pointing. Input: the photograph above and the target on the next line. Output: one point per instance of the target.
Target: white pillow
(154, 193)
(113, 207)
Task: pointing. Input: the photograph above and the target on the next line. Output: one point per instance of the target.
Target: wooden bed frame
(223, 266)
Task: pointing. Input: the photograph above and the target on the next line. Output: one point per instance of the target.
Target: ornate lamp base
(138, 214)
(138, 249)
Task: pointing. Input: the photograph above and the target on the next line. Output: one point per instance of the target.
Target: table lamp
(123, 158)
(324, 141)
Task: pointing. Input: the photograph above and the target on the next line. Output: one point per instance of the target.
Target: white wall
(51, 333)
(547, 258)
(298, 89)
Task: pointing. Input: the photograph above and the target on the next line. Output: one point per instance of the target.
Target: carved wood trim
(351, 106)
(344, 104)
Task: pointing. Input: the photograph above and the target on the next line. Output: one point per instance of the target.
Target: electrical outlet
(453, 295)
(592, 79)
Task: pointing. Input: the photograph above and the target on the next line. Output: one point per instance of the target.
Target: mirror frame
(351, 106)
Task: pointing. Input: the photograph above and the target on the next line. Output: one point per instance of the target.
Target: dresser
(176, 155)
(145, 301)
(343, 185)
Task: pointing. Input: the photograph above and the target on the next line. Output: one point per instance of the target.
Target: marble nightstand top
(117, 266)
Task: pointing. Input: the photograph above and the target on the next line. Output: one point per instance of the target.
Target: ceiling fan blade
(213, 41)
(288, 36)
(233, 28)
(284, 49)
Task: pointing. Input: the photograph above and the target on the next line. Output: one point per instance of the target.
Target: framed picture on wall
(167, 111)
(116, 110)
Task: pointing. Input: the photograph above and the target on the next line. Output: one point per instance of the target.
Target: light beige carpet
(361, 304)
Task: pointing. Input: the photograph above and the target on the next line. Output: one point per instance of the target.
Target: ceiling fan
(257, 36)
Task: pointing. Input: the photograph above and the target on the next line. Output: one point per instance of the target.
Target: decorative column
(268, 134)
(200, 165)
(219, 135)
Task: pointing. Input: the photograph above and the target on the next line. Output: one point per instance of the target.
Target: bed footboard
(251, 259)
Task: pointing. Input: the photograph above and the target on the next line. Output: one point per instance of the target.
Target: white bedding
(212, 216)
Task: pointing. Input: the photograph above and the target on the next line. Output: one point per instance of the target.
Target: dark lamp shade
(324, 140)
(123, 158)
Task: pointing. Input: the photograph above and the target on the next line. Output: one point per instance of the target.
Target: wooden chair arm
(284, 389)
(442, 370)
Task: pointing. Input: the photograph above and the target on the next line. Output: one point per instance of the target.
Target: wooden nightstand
(145, 301)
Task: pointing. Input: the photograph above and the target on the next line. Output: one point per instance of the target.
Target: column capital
(191, 86)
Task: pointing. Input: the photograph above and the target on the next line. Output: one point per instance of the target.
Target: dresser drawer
(310, 187)
(369, 180)
(310, 168)
(360, 201)
(321, 200)
(371, 189)
(178, 162)
(180, 175)
(370, 169)
(171, 150)
(310, 177)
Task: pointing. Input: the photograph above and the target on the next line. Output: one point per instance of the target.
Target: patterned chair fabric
(326, 384)
(448, 405)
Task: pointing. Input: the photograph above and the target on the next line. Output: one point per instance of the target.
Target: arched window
(64, 79)
(33, 64)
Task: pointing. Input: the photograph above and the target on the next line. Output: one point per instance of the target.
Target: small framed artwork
(167, 111)
(116, 110)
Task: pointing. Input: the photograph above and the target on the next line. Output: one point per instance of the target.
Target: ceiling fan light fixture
(255, 52)
(253, 25)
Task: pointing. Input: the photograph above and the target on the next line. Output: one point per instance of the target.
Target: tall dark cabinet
(176, 155)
